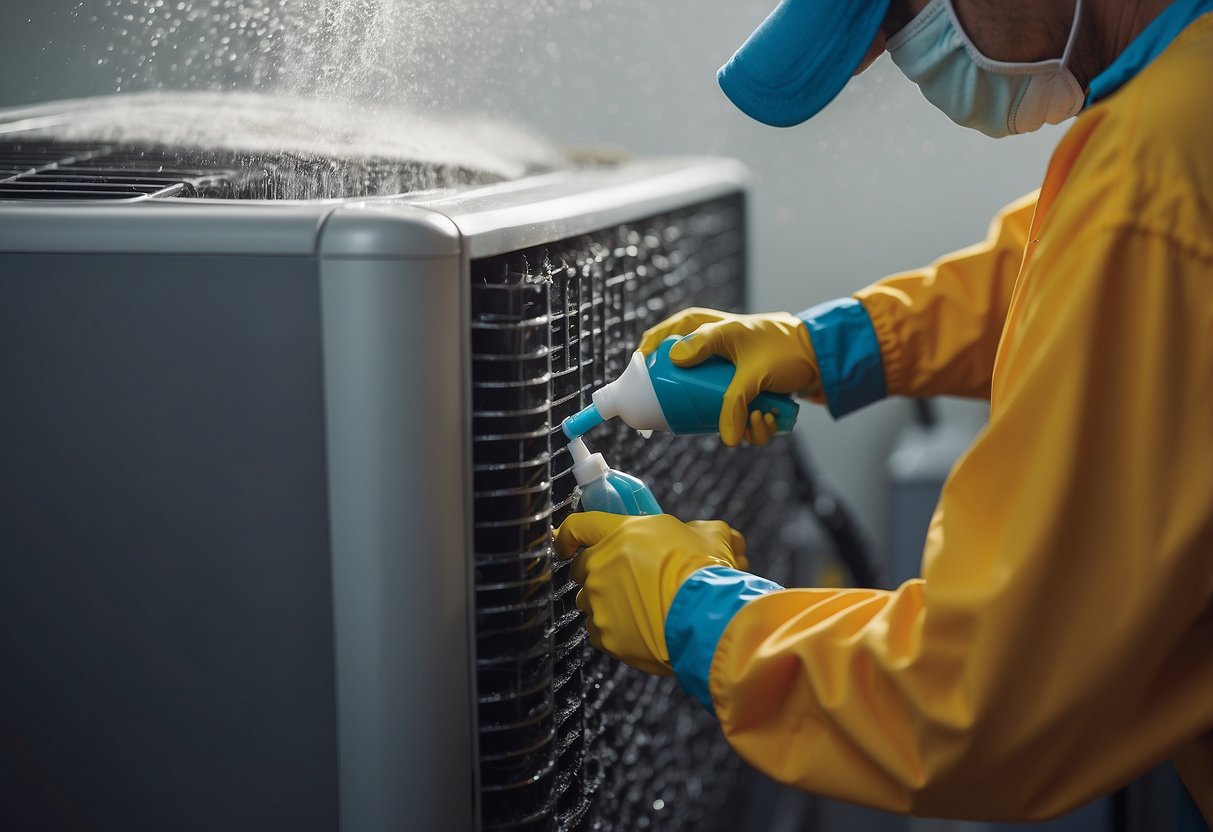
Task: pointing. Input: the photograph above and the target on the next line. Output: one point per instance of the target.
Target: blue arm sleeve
(702, 608)
(848, 354)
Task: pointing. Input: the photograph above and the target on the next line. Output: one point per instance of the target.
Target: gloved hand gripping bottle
(655, 394)
(605, 489)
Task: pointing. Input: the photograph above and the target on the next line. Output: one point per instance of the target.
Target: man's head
(807, 50)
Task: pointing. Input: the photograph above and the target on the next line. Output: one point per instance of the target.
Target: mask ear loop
(1073, 38)
(1050, 65)
(1062, 71)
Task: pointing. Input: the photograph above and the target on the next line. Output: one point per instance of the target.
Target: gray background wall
(877, 183)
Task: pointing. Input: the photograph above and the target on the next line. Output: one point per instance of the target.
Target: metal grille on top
(42, 170)
(570, 738)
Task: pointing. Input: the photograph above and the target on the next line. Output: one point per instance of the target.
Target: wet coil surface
(571, 739)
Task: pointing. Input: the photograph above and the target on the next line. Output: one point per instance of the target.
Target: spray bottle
(605, 489)
(655, 394)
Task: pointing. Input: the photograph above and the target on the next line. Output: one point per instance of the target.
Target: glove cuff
(848, 354)
(702, 609)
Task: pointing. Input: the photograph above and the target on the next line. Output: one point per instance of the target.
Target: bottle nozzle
(587, 466)
(581, 422)
(578, 449)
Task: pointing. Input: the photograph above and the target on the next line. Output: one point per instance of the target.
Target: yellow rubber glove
(772, 352)
(630, 571)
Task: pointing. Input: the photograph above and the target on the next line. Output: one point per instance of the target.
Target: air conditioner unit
(277, 479)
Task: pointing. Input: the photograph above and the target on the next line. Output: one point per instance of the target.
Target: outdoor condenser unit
(277, 479)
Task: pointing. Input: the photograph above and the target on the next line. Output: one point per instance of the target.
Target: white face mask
(995, 97)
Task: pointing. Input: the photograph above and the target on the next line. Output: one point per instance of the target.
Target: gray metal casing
(272, 399)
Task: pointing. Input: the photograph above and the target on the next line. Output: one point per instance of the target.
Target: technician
(1060, 641)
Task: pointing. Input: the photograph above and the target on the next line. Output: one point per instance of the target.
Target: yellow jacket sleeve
(1061, 639)
(938, 327)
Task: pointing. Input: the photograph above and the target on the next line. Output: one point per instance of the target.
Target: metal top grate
(43, 170)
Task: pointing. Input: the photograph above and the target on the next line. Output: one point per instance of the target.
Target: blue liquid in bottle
(605, 489)
(691, 397)
(653, 393)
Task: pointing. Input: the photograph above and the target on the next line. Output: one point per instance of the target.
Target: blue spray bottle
(655, 394)
(605, 489)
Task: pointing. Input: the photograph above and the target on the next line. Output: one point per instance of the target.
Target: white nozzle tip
(587, 466)
(578, 449)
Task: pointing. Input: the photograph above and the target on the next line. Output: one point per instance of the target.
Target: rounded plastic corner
(369, 230)
(733, 171)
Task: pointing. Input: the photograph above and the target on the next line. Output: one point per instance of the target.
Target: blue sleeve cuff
(704, 605)
(848, 354)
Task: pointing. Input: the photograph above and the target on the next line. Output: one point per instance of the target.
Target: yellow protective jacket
(1060, 641)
